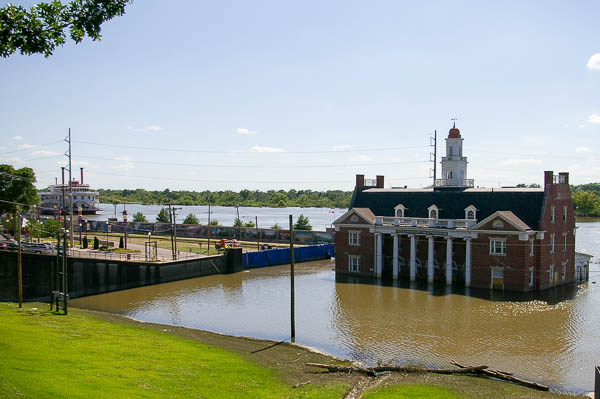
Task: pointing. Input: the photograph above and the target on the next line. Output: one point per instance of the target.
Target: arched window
(470, 214)
(433, 212)
(399, 210)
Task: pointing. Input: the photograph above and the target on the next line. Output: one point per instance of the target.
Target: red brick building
(513, 239)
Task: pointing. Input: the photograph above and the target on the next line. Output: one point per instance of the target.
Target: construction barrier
(274, 257)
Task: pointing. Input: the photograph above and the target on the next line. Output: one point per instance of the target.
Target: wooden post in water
(293, 317)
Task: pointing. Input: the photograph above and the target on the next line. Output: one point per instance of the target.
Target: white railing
(425, 222)
(454, 183)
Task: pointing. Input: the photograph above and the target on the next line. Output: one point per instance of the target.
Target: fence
(274, 257)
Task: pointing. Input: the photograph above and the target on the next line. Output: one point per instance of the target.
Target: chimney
(360, 181)
(81, 182)
(563, 177)
(548, 177)
(379, 181)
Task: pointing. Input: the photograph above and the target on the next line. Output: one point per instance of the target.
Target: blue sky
(278, 95)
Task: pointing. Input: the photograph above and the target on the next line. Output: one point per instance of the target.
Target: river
(552, 337)
(319, 218)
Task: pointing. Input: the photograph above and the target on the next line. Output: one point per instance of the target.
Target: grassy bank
(95, 354)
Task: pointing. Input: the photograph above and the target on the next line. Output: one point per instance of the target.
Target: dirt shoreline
(288, 360)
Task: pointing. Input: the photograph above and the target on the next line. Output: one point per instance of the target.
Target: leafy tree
(302, 223)
(96, 243)
(163, 216)
(121, 243)
(44, 26)
(586, 203)
(238, 222)
(249, 223)
(51, 228)
(139, 217)
(532, 185)
(16, 186)
(34, 228)
(85, 242)
(214, 222)
(191, 219)
(276, 227)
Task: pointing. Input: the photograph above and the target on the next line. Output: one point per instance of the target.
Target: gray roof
(525, 203)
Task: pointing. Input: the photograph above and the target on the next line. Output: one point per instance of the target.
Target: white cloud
(594, 61)
(25, 146)
(258, 148)
(2, 147)
(16, 138)
(582, 150)
(44, 153)
(125, 164)
(594, 118)
(245, 131)
(581, 126)
(81, 163)
(517, 162)
(342, 147)
(16, 160)
(146, 129)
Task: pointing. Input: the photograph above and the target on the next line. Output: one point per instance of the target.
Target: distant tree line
(271, 198)
(586, 199)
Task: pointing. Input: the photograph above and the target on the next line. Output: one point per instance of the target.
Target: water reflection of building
(514, 239)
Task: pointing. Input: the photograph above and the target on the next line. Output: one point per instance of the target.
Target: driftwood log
(372, 371)
(462, 369)
(505, 376)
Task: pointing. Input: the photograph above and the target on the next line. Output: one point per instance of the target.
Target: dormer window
(470, 212)
(433, 212)
(399, 210)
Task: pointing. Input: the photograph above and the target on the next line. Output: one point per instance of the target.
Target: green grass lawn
(45, 355)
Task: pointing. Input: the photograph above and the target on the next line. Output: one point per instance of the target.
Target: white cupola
(454, 165)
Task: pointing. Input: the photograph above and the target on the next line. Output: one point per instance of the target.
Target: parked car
(224, 243)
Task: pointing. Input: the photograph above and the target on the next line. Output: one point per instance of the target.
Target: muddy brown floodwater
(553, 337)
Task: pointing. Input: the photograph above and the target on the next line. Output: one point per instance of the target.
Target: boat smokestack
(81, 182)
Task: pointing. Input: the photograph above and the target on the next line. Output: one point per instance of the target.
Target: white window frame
(565, 212)
(552, 213)
(531, 246)
(565, 242)
(552, 243)
(531, 277)
(497, 246)
(354, 238)
(437, 212)
(399, 210)
(354, 263)
(564, 269)
(496, 270)
(551, 274)
(468, 209)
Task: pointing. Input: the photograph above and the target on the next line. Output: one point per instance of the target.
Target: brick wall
(365, 250)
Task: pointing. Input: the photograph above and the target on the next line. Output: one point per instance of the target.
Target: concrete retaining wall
(94, 276)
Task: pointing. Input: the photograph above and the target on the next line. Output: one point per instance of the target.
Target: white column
(468, 263)
(395, 258)
(413, 257)
(379, 266)
(448, 260)
(430, 260)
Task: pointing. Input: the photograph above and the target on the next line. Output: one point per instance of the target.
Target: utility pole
(17, 220)
(237, 209)
(292, 292)
(172, 242)
(208, 227)
(68, 140)
(257, 234)
(433, 143)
